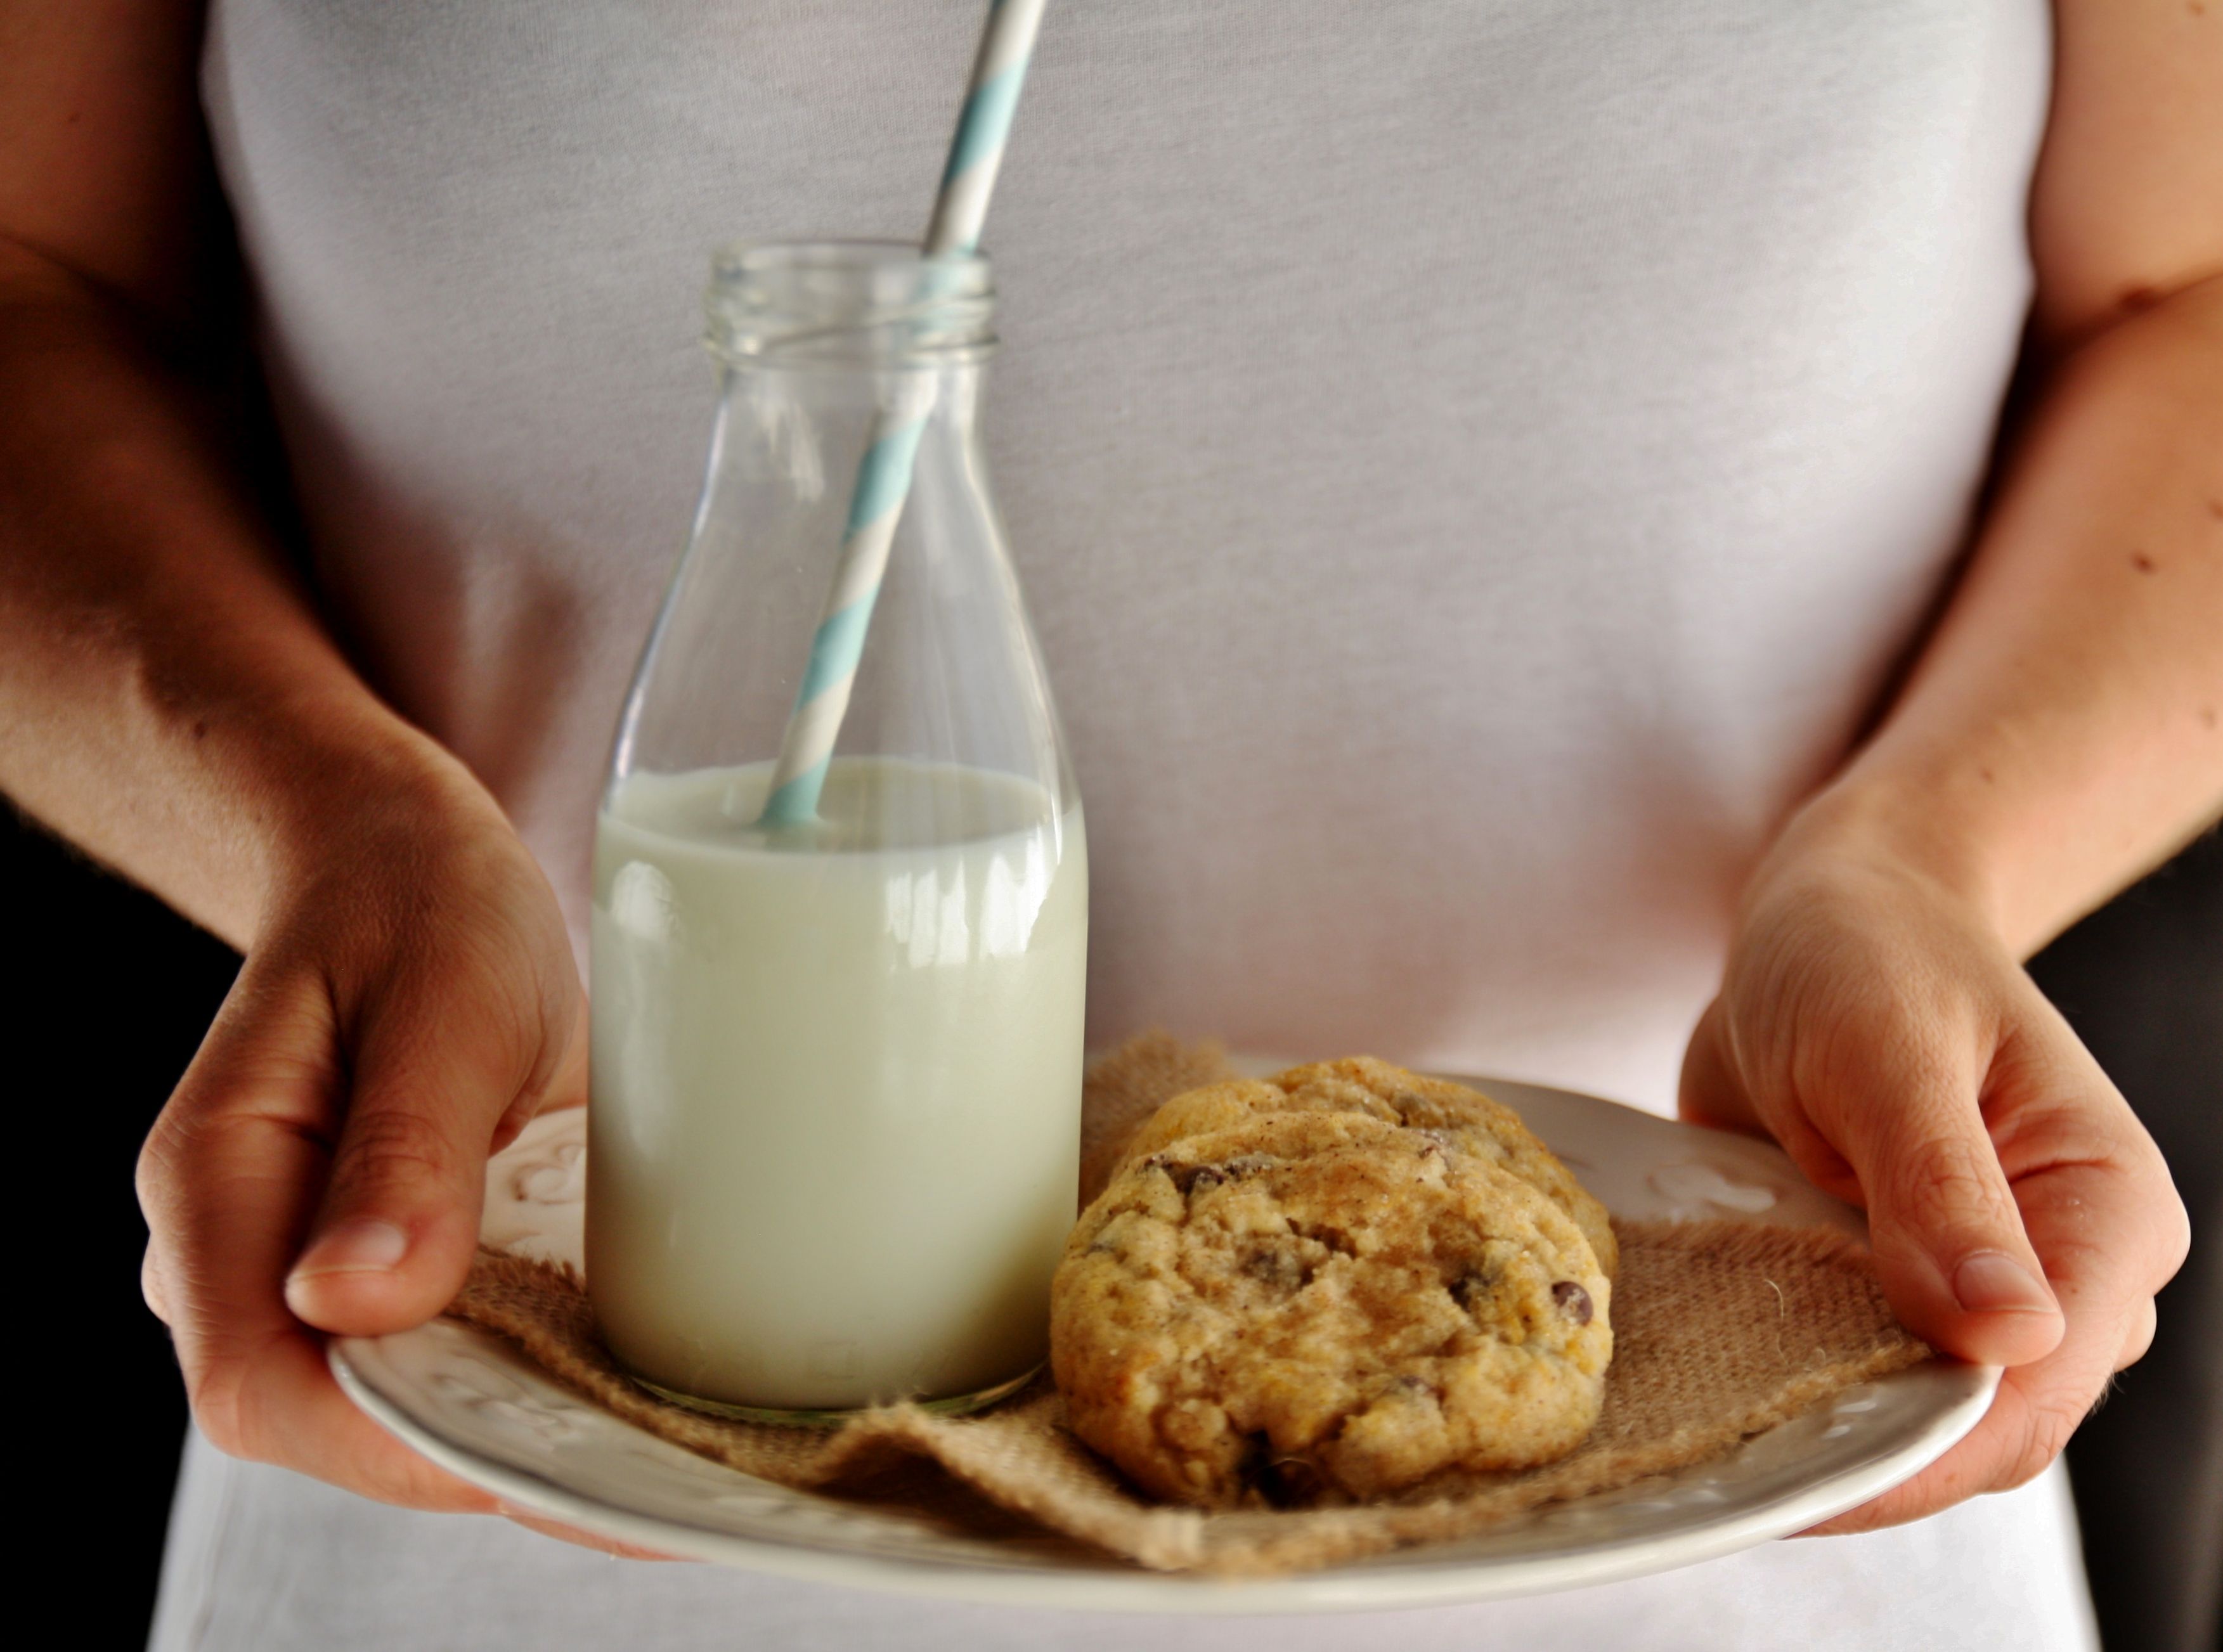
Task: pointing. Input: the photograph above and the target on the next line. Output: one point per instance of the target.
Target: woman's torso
(1472, 468)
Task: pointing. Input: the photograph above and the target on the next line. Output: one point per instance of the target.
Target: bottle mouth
(847, 304)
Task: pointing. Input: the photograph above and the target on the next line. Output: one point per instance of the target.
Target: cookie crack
(1324, 1234)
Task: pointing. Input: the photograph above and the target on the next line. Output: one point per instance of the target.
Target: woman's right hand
(171, 702)
(408, 1005)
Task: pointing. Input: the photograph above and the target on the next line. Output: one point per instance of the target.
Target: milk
(836, 1126)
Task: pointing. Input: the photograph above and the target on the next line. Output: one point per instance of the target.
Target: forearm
(168, 699)
(2063, 732)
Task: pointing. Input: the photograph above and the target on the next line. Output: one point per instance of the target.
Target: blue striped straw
(883, 482)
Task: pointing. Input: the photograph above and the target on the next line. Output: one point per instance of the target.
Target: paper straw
(876, 501)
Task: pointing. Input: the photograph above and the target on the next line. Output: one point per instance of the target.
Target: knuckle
(164, 1176)
(2137, 1336)
(157, 1168)
(2047, 1426)
(390, 1146)
(150, 1283)
(151, 1175)
(1943, 1180)
(228, 1374)
(216, 1390)
(2174, 1238)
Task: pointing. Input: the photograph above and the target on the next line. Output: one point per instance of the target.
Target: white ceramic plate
(475, 1406)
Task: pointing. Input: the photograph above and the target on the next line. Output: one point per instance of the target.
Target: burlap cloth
(1721, 1330)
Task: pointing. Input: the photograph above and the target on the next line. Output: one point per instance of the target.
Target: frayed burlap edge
(1723, 1330)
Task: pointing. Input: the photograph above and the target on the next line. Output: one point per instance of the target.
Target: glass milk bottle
(836, 1092)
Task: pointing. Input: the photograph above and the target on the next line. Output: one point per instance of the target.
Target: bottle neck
(848, 306)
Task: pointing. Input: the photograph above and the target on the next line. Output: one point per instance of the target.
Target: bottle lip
(847, 304)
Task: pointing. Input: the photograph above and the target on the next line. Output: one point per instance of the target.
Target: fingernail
(1992, 1282)
(360, 1246)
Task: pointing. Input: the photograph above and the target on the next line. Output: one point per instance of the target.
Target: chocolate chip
(1409, 1384)
(1282, 1268)
(1469, 1289)
(1572, 1301)
(1288, 1482)
(1193, 1179)
(1184, 1176)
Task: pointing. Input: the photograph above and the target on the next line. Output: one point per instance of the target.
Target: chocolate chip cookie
(1465, 1120)
(1317, 1304)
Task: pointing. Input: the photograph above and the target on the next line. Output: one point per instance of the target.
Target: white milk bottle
(834, 1130)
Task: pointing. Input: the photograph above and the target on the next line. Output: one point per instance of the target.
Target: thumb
(1949, 1241)
(439, 1066)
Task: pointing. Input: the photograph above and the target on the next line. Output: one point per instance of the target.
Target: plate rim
(1128, 1588)
(1124, 1586)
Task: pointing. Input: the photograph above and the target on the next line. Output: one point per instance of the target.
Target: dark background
(116, 992)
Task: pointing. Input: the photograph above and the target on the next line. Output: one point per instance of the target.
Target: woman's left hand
(1874, 1022)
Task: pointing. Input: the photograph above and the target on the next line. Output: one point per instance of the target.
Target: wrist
(345, 786)
(1879, 826)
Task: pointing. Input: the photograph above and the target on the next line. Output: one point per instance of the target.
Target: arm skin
(2061, 734)
(169, 699)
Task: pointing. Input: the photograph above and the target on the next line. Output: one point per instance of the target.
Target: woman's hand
(1875, 1023)
(410, 1003)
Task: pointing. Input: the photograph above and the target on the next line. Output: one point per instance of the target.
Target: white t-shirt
(1472, 468)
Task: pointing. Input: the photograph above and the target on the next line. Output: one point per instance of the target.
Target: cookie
(1469, 1122)
(1318, 1303)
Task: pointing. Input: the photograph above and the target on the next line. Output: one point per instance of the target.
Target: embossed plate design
(477, 1407)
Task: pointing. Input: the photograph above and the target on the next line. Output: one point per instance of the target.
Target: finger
(226, 1181)
(1973, 1467)
(567, 1087)
(2138, 1338)
(1948, 1238)
(2098, 1205)
(1709, 1092)
(150, 1286)
(2037, 1409)
(565, 1534)
(298, 1415)
(441, 1061)
(1713, 1093)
